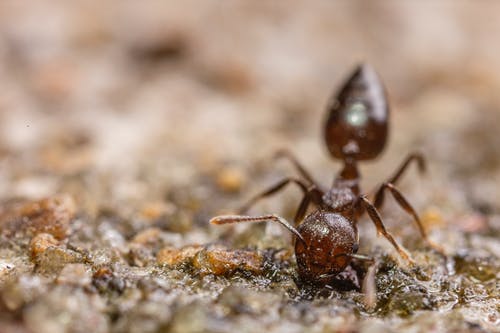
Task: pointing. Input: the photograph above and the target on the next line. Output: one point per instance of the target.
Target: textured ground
(125, 127)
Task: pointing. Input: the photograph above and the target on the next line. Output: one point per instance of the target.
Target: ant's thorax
(341, 200)
(342, 197)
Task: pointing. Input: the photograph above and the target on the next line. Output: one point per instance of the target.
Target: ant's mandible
(356, 129)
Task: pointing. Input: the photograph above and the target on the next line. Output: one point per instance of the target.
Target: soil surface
(126, 126)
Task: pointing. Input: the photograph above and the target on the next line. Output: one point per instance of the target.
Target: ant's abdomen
(357, 122)
(329, 239)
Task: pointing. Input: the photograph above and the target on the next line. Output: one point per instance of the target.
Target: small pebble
(105, 280)
(139, 255)
(74, 274)
(40, 243)
(155, 210)
(49, 257)
(220, 261)
(173, 257)
(432, 218)
(51, 215)
(5, 269)
(215, 260)
(147, 236)
(230, 179)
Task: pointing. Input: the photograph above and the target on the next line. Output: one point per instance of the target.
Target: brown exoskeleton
(356, 129)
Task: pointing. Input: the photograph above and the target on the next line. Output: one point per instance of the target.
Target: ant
(327, 239)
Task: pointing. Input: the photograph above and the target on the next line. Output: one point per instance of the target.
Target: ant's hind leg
(403, 203)
(272, 190)
(377, 220)
(226, 219)
(284, 153)
(418, 158)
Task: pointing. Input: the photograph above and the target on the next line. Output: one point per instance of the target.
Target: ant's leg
(403, 203)
(272, 190)
(225, 219)
(369, 286)
(361, 257)
(283, 153)
(375, 217)
(301, 211)
(418, 158)
(313, 195)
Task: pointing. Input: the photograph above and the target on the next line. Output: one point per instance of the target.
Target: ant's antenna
(226, 219)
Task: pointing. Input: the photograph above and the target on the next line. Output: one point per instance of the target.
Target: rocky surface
(125, 127)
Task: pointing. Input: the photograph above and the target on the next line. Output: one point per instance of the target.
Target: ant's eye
(355, 248)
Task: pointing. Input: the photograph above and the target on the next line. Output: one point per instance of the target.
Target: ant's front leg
(273, 190)
(403, 203)
(417, 157)
(377, 220)
(313, 195)
(369, 285)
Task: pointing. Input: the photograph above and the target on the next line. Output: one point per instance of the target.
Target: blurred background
(156, 115)
(121, 101)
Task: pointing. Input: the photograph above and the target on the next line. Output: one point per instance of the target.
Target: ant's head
(357, 122)
(328, 240)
